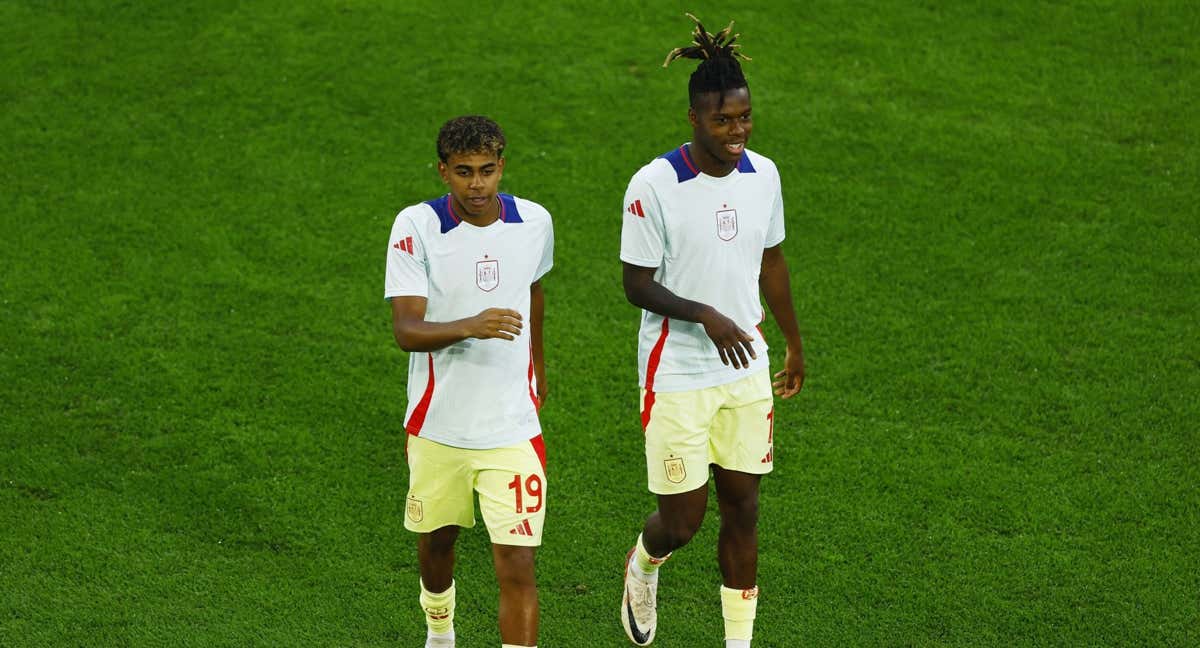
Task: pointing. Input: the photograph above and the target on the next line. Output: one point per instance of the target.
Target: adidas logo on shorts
(522, 529)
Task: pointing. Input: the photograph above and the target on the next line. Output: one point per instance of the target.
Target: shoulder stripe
(445, 212)
(508, 209)
(685, 169)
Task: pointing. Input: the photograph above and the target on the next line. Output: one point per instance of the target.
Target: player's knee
(741, 513)
(679, 531)
(441, 541)
(515, 566)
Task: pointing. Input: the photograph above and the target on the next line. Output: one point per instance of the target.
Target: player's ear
(444, 171)
(500, 166)
(692, 118)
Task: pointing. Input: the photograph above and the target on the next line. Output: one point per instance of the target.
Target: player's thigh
(742, 436)
(677, 449)
(511, 483)
(439, 487)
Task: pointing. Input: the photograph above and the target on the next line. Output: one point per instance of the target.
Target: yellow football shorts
(511, 482)
(730, 425)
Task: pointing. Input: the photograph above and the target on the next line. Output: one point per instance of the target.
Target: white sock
(737, 643)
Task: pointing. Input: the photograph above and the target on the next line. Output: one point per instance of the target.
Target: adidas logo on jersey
(404, 245)
(522, 529)
(635, 208)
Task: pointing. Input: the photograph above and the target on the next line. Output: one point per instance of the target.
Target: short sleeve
(407, 271)
(547, 260)
(775, 228)
(642, 226)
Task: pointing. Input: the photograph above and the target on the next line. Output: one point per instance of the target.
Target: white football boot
(639, 604)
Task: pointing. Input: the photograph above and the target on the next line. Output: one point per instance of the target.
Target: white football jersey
(475, 393)
(706, 236)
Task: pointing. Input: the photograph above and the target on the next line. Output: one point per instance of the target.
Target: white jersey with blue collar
(475, 393)
(705, 236)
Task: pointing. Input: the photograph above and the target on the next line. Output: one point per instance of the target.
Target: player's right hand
(733, 344)
(503, 323)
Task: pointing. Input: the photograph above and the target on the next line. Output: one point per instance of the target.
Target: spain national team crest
(676, 471)
(727, 224)
(414, 510)
(487, 274)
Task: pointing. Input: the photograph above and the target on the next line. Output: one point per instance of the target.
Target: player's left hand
(790, 379)
(542, 391)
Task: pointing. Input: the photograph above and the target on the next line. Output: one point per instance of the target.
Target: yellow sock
(439, 609)
(645, 562)
(739, 607)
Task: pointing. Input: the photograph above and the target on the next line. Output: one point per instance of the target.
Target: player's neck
(489, 215)
(708, 164)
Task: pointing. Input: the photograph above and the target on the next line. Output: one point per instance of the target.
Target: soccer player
(464, 279)
(700, 240)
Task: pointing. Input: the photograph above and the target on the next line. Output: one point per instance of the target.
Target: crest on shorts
(676, 472)
(415, 510)
(487, 274)
(727, 224)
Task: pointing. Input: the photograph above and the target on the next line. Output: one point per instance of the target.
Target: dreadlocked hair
(469, 134)
(719, 70)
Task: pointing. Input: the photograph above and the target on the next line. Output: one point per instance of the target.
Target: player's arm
(413, 333)
(776, 287)
(537, 307)
(733, 344)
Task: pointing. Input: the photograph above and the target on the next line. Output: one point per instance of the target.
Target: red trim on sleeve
(417, 420)
(651, 369)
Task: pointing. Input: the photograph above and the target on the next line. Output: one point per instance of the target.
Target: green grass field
(994, 242)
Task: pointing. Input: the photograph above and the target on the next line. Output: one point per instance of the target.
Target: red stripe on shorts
(651, 368)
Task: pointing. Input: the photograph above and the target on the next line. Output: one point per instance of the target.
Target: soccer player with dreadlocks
(700, 241)
(464, 279)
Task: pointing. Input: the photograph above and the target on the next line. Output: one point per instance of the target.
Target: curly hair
(719, 70)
(469, 134)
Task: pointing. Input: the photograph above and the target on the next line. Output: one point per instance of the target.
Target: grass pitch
(992, 233)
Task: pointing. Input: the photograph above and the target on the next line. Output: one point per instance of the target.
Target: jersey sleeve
(775, 227)
(407, 272)
(547, 260)
(642, 241)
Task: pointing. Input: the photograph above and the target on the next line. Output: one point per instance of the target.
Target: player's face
(474, 179)
(722, 129)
